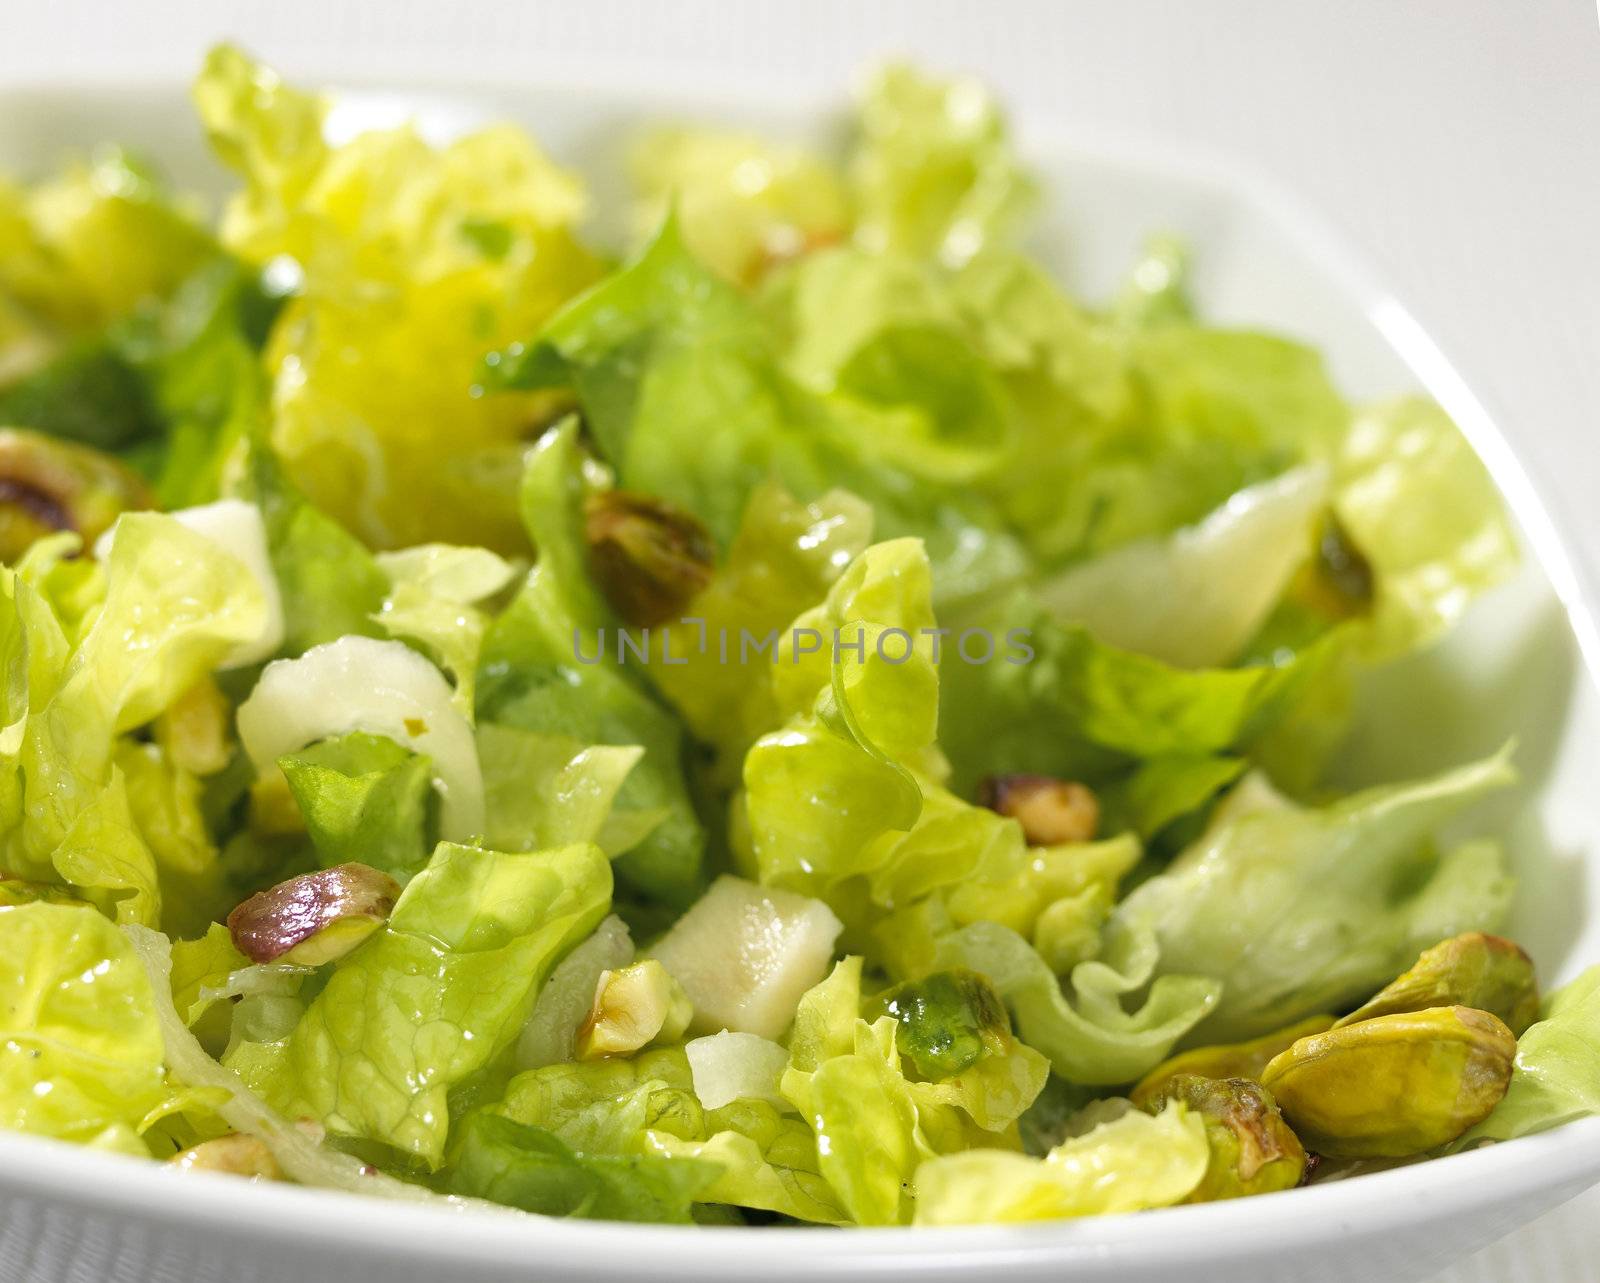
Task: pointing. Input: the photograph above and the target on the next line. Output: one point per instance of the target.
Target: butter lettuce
(1133, 1163)
(1090, 1037)
(519, 1166)
(437, 996)
(434, 597)
(1554, 1080)
(174, 606)
(1338, 899)
(845, 796)
(646, 1105)
(665, 358)
(365, 798)
(540, 671)
(932, 169)
(80, 1051)
(419, 258)
(745, 203)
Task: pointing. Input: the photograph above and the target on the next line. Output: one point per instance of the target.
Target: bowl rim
(1565, 1158)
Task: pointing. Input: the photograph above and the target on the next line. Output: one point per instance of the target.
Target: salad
(791, 718)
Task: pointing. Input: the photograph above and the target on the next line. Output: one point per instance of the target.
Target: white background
(1455, 142)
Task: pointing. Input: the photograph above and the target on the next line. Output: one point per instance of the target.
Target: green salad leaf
(1339, 899)
(365, 798)
(434, 998)
(1554, 1080)
(541, 671)
(80, 1051)
(520, 1166)
(1135, 1162)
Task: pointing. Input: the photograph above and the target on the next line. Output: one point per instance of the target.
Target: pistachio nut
(634, 1007)
(649, 558)
(1485, 972)
(1253, 1150)
(1051, 811)
(1227, 1060)
(1395, 1085)
(314, 918)
(237, 1154)
(48, 485)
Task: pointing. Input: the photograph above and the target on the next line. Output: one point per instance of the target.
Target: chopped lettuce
(365, 798)
(744, 203)
(509, 1162)
(1423, 511)
(433, 600)
(417, 258)
(1554, 1079)
(1338, 900)
(175, 605)
(80, 1050)
(664, 356)
(932, 170)
(541, 671)
(436, 997)
(1135, 1162)
(646, 1105)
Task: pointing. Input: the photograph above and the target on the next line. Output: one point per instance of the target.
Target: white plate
(1523, 664)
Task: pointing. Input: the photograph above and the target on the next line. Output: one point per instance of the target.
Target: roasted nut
(48, 485)
(1253, 1151)
(649, 558)
(237, 1154)
(946, 1021)
(1393, 1086)
(1050, 811)
(1485, 972)
(314, 918)
(1230, 1060)
(633, 1007)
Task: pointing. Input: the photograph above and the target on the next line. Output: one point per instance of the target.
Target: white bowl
(1524, 663)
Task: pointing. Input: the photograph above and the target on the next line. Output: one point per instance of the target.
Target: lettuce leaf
(80, 1050)
(434, 998)
(1079, 709)
(419, 258)
(1425, 514)
(504, 1161)
(433, 601)
(548, 790)
(1091, 1037)
(540, 671)
(663, 357)
(845, 797)
(785, 556)
(1135, 1162)
(1554, 1080)
(1338, 900)
(365, 798)
(1195, 598)
(932, 170)
(331, 585)
(744, 202)
(175, 605)
(90, 244)
(646, 1105)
